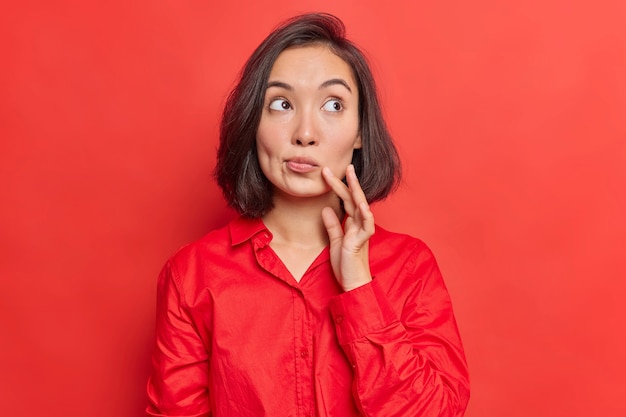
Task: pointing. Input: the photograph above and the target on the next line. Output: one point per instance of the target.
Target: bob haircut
(238, 172)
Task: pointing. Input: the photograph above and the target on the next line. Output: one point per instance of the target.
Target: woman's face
(310, 119)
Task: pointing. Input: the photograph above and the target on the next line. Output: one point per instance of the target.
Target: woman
(302, 306)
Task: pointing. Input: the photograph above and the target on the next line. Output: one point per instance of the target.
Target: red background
(510, 118)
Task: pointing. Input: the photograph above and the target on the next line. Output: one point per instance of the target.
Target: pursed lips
(301, 164)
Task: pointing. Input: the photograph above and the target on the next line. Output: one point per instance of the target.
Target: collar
(243, 229)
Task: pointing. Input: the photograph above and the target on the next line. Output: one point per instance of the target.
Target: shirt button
(304, 353)
(339, 319)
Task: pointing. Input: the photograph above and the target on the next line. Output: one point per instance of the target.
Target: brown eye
(280, 104)
(333, 105)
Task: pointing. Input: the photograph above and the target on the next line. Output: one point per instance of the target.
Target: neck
(298, 221)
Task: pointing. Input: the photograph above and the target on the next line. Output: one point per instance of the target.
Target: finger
(332, 224)
(358, 196)
(368, 223)
(355, 186)
(342, 191)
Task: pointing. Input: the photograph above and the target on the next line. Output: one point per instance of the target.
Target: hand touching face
(349, 245)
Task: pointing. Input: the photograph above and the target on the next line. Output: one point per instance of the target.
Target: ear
(358, 143)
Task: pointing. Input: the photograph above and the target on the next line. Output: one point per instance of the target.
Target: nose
(305, 133)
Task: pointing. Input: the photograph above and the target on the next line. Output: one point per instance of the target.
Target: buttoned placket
(303, 354)
(302, 326)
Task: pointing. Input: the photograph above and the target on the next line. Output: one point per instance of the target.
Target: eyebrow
(335, 81)
(325, 84)
(279, 84)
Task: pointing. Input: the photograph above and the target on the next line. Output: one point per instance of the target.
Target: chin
(306, 193)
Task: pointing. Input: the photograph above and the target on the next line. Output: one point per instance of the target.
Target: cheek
(265, 150)
(261, 134)
(262, 155)
(270, 135)
(346, 140)
(353, 131)
(264, 139)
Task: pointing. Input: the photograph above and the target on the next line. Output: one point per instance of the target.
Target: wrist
(349, 286)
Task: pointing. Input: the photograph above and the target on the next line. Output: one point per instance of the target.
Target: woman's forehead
(310, 63)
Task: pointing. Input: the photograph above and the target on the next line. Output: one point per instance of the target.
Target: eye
(334, 105)
(280, 104)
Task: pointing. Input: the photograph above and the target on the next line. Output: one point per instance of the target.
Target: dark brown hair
(238, 173)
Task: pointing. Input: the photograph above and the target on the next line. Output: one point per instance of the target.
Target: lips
(301, 164)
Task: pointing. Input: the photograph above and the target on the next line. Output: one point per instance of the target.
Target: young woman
(302, 306)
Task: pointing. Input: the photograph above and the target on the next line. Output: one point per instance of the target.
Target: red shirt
(236, 335)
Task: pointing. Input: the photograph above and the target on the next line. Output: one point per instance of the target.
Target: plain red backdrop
(510, 118)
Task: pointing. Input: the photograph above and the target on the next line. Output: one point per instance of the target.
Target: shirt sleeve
(179, 380)
(403, 343)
